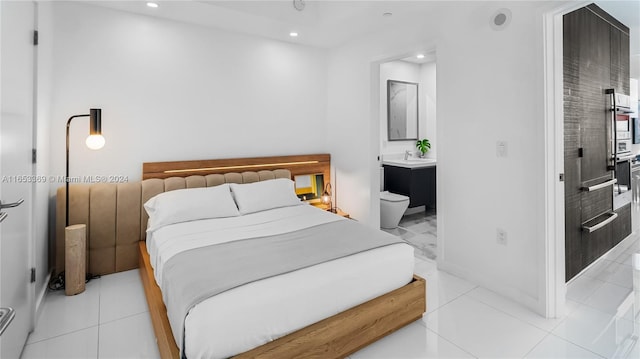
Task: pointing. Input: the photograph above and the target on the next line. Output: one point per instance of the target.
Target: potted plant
(423, 146)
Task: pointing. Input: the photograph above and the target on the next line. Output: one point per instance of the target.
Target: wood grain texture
(347, 332)
(594, 45)
(596, 10)
(620, 58)
(75, 247)
(584, 126)
(166, 344)
(321, 163)
(334, 337)
(621, 226)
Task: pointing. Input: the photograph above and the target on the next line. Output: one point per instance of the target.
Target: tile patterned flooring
(419, 230)
(111, 320)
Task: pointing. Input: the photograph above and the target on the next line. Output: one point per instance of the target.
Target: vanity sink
(411, 162)
(419, 160)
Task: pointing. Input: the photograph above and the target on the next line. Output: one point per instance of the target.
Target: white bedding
(254, 314)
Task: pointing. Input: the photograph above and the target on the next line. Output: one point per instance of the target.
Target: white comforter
(254, 314)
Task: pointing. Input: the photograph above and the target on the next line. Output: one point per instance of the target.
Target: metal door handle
(625, 158)
(600, 185)
(3, 215)
(591, 229)
(11, 205)
(6, 316)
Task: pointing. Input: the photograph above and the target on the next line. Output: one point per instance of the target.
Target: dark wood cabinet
(601, 241)
(619, 42)
(596, 58)
(621, 227)
(586, 77)
(419, 184)
(596, 244)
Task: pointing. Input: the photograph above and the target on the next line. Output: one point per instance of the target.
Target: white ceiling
(428, 57)
(323, 23)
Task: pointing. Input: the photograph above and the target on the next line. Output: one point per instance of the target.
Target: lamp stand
(76, 235)
(66, 179)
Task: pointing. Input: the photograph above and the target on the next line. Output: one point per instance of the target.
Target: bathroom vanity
(414, 178)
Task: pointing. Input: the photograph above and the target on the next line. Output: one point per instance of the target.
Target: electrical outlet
(501, 149)
(501, 236)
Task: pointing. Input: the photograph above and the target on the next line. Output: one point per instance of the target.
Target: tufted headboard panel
(116, 219)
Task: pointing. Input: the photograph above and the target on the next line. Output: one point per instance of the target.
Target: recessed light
(152, 4)
(293, 34)
(387, 14)
(420, 56)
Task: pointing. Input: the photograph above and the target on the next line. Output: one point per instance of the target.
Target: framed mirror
(402, 110)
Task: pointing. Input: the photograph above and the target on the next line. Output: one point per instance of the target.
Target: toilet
(392, 206)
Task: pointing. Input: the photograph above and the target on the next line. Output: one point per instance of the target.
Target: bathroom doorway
(414, 216)
(420, 230)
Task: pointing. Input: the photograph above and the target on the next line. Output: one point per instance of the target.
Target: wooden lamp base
(75, 244)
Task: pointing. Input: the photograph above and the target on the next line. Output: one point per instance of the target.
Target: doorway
(418, 223)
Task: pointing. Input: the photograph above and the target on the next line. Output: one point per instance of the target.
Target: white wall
(489, 87)
(424, 76)
(429, 88)
(174, 91)
(42, 139)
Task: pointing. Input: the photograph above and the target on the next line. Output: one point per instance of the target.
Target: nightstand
(343, 214)
(338, 211)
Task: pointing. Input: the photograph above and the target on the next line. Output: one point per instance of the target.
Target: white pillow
(190, 204)
(264, 195)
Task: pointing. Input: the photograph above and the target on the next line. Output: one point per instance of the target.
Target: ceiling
(323, 23)
(425, 59)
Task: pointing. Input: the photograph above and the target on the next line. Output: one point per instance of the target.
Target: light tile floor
(110, 320)
(419, 230)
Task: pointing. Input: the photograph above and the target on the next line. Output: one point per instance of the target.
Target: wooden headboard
(114, 213)
(298, 165)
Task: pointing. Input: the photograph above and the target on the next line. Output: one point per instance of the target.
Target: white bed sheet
(165, 242)
(254, 314)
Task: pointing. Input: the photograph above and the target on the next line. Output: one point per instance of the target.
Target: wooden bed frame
(334, 337)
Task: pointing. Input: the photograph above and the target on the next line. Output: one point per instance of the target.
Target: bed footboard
(164, 337)
(334, 337)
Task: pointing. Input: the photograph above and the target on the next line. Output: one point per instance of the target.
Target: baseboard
(41, 296)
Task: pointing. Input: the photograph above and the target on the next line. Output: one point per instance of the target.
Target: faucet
(407, 154)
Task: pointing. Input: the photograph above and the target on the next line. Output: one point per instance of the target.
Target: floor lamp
(75, 236)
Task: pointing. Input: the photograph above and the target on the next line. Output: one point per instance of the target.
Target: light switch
(501, 148)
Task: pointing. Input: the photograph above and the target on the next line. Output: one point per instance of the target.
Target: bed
(324, 309)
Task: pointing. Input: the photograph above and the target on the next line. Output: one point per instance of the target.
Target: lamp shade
(95, 121)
